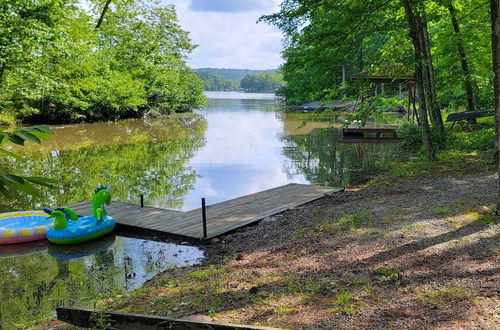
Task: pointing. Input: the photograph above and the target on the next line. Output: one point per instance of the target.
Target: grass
(342, 303)
(466, 151)
(354, 220)
(284, 310)
(440, 210)
(444, 296)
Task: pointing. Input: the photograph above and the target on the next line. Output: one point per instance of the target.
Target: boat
(23, 226)
(70, 229)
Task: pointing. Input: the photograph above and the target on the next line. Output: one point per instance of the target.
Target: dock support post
(142, 200)
(204, 214)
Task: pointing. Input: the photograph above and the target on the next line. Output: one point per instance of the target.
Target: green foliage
(263, 82)
(443, 296)
(56, 67)
(343, 303)
(10, 182)
(324, 37)
(217, 83)
(482, 139)
(411, 134)
(354, 220)
(386, 103)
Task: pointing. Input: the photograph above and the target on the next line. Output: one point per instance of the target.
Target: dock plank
(222, 217)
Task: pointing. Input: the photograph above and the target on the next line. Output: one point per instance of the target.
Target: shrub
(411, 134)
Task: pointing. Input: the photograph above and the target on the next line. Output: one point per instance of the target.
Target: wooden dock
(222, 218)
(377, 131)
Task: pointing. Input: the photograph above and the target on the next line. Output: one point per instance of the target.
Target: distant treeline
(215, 82)
(263, 82)
(232, 74)
(257, 81)
(61, 63)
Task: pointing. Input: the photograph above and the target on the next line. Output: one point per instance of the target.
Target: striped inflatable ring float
(24, 226)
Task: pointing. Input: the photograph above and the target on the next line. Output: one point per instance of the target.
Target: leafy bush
(483, 139)
(411, 134)
(386, 104)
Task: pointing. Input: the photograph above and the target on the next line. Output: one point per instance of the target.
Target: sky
(227, 34)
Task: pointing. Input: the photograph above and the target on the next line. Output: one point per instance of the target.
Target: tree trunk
(463, 57)
(420, 76)
(2, 70)
(103, 13)
(428, 67)
(495, 45)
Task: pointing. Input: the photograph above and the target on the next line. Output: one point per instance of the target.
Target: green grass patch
(284, 310)
(342, 303)
(206, 273)
(440, 210)
(466, 150)
(354, 220)
(443, 296)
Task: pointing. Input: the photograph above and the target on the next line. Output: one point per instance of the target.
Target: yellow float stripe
(25, 232)
(8, 234)
(41, 230)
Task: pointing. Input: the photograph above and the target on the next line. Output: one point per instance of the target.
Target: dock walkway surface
(222, 218)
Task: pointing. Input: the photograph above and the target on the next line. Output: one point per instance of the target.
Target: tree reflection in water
(34, 284)
(131, 158)
(325, 160)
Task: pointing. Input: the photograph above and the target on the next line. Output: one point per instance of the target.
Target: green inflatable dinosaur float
(102, 197)
(71, 229)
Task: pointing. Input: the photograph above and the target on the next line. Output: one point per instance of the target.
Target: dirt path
(419, 254)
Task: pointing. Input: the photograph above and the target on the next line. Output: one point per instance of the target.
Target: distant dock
(377, 132)
(221, 218)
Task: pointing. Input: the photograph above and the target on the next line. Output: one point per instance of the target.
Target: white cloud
(228, 36)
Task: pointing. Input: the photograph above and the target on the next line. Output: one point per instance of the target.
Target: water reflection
(133, 157)
(34, 284)
(240, 144)
(324, 158)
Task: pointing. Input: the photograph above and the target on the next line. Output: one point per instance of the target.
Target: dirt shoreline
(422, 253)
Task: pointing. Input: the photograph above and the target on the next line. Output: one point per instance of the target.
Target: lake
(240, 144)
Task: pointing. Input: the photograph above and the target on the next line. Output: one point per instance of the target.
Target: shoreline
(418, 252)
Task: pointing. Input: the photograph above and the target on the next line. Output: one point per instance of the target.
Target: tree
(57, 66)
(495, 45)
(417, 35)
(463, 56)
(215, 82)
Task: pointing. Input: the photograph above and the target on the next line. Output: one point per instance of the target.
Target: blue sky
(227, 34)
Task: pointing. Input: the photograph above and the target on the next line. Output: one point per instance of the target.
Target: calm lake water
(240, 144)
(37, 277)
